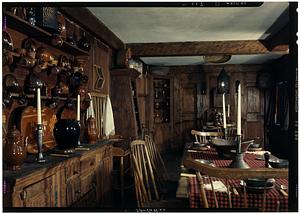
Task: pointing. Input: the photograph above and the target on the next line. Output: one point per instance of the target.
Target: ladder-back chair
(144, 179)
(203, 137)
(156, 161)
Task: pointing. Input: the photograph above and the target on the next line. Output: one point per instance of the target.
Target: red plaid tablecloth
(254, 200)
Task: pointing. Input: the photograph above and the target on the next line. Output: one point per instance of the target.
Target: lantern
(223, 82)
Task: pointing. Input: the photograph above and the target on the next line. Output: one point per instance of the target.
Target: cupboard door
(73, 190)
(41, 194)
(104, 179)
(88, 182)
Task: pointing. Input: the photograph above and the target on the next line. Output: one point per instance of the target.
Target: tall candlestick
(224, 112)
(228, 111)
(239, 110)
(78, 107)
(39, 109)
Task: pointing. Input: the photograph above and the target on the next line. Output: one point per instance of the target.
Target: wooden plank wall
(186, 99)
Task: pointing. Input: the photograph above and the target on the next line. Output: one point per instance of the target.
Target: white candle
(224, 112)
(78, 107)
(228, 111)
(239, 111)
(38, 107)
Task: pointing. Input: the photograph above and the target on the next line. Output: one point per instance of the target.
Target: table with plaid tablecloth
(274, 199)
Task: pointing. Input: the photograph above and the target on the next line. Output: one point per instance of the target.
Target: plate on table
(252, 149)
(198, 146)
(203, 161)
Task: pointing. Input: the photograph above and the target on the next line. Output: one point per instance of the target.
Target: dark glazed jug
(66, 133)
(83, 43)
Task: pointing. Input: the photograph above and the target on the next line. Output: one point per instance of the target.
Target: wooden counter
(81, 180)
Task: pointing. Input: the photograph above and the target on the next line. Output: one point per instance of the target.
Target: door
(255, 114)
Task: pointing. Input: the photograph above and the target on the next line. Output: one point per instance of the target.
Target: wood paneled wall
(191, 108)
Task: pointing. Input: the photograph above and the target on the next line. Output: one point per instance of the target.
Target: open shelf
(35, 32)
(31, 96)
(161, 100)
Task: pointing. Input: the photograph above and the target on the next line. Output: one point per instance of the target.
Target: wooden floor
(170, 202)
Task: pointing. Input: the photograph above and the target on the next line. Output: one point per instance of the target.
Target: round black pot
(66, 133)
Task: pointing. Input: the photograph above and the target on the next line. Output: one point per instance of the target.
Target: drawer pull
(92, 164)
(23, 195)
(75, 173)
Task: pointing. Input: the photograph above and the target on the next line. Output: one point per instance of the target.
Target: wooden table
(189, 186)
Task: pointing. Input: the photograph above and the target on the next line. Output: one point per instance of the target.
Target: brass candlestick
(225, 133)
(39, 133)
(238, 160)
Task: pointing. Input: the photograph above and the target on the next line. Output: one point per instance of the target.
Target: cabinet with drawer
(82, 180)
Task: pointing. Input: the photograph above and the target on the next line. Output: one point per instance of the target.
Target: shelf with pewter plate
(31, 96)
(35, 32)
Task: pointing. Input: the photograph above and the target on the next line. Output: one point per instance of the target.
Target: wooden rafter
(279, 41)
(201, 48)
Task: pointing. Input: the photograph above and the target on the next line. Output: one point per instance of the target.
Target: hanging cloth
(90, 110)
(108, 119)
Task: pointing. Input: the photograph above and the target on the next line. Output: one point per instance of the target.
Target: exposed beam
(86, 19)
(199, 48)
(279, 41)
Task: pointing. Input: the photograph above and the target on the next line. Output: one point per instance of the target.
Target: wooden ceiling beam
(85, 18)
(278, 41)
(200, 48)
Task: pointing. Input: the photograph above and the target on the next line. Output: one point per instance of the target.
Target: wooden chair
(157, 162)
(203, 137)
(145, 182)
(230, 173)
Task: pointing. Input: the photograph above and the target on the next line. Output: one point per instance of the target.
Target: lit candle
(78, 107)
(228, 111)
(39, 109)
(224, 112)
(239, 110)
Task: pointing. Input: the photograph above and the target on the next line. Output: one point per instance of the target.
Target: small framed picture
(98, 77)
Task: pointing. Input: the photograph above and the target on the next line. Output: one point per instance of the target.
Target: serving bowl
(224, 147)
(279, 163)
(258, 185)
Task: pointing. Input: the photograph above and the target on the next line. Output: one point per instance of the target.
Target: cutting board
(28, 128)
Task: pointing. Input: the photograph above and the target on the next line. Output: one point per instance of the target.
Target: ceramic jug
(92, 133)
(15, 149)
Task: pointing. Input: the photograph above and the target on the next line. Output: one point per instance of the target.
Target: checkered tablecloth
(254, 200)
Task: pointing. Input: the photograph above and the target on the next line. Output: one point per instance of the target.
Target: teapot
(15, 149)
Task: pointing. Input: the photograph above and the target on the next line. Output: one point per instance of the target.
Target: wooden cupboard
(124, 102)
(161, 111)
(82, 180)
